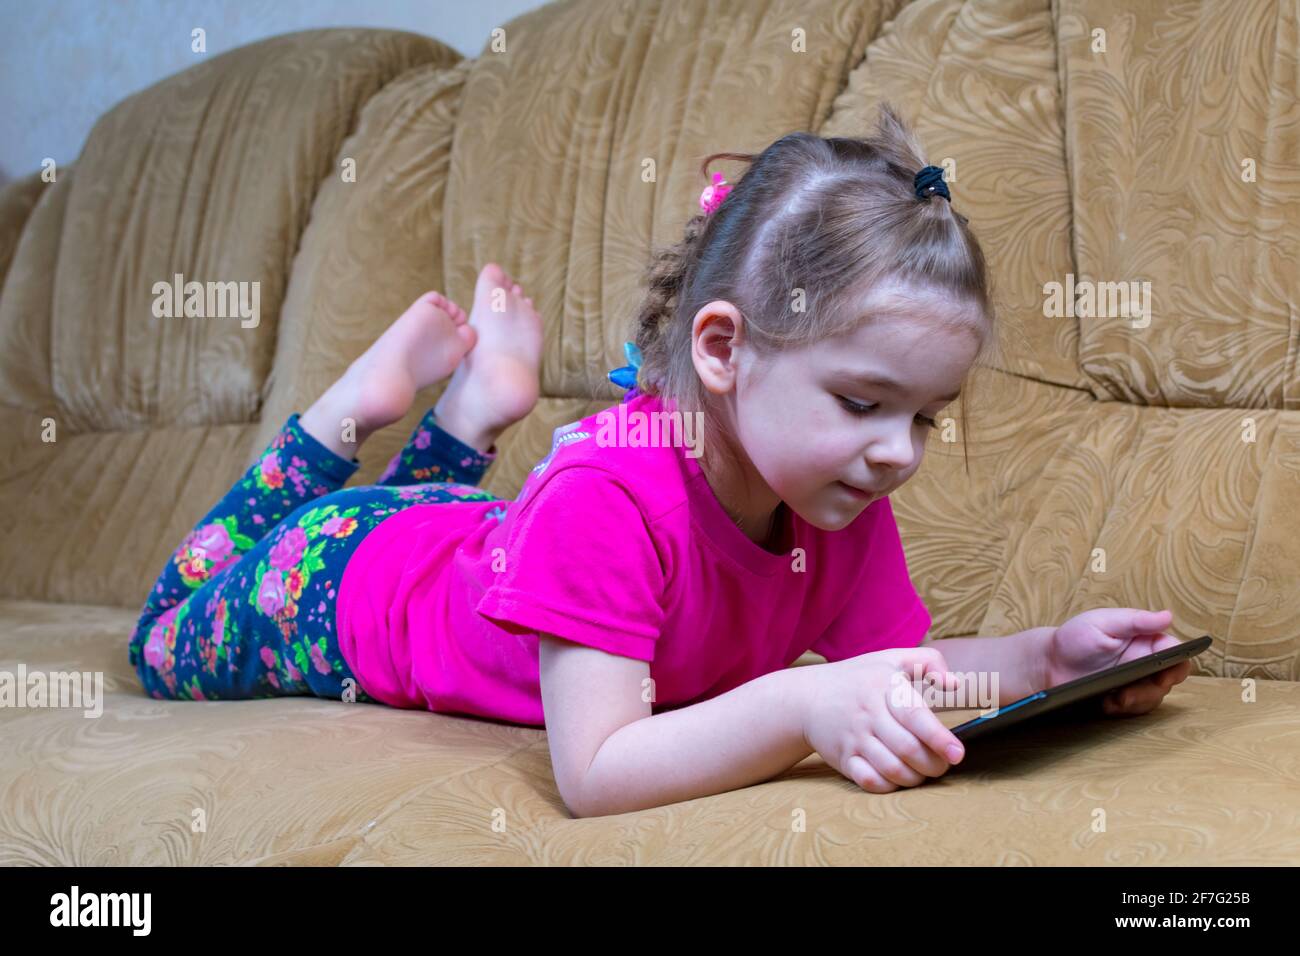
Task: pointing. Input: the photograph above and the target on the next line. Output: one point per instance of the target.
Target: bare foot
(497, 383)
(420, 348)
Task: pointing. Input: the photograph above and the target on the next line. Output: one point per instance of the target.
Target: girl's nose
(894, 450)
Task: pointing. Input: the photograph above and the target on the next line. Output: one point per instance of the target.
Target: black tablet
(1081, 688)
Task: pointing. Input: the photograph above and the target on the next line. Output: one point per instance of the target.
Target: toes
(451, 308)
(468, 336)
(491, 277)
(441, 303)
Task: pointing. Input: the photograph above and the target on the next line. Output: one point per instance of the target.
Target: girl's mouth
(856, 492)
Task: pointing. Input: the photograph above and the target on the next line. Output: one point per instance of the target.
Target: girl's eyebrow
(888, 384)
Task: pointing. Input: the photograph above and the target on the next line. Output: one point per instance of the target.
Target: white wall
(63, 63)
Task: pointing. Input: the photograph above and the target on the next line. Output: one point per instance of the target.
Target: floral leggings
(245, 606)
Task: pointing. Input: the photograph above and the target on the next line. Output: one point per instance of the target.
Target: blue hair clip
(625, 377)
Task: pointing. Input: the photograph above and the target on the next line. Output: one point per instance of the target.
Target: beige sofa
(1109, 464)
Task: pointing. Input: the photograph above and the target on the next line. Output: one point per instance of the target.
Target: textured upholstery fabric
(1203, 780)
(212, 175)
(1109, 465)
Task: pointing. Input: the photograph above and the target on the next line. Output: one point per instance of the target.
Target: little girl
(639, 598)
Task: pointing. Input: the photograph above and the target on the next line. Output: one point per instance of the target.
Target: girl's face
(821, 426)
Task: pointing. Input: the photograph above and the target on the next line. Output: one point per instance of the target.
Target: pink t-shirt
(618, 544)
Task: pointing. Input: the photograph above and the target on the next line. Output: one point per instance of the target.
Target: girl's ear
(717, 330)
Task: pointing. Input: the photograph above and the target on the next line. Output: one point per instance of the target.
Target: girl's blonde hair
(812, 225)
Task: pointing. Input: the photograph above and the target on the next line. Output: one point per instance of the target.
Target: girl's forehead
(898, 301)
(898, 354)
(897, 332)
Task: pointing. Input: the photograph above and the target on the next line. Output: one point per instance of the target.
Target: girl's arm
(1019, 660)
(611, 755)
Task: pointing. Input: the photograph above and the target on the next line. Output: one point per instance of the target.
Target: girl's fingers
(889, 764)
(1146, 694)
(909, 750)
(1178, 674)
(1126, 623)
(1136, 698)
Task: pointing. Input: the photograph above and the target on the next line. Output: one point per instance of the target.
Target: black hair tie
(929, 181)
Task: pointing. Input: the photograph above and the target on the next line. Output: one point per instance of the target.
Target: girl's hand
(1106, 636)
(867, 719)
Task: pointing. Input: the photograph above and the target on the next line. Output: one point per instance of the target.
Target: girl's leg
(307, 459)
(240, 612)
(264, 625)
(434, 455)
(228, 616)
(293, 469)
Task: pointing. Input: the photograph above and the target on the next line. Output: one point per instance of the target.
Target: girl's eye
(853, 406)
(858, 409)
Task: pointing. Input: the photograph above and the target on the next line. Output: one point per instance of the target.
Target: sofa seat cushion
(1205, 779)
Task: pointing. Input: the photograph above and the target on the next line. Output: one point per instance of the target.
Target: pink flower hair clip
(713, 195)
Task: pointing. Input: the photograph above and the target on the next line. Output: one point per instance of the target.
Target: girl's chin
(834, 516)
